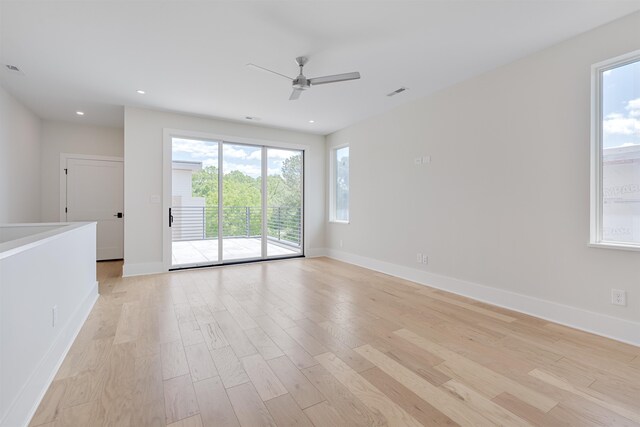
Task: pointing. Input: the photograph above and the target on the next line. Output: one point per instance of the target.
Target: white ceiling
(191, 57)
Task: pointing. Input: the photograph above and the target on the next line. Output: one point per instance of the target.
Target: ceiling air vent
(397, 91)
(14, 69)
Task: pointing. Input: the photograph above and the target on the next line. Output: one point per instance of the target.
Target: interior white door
(95, 192)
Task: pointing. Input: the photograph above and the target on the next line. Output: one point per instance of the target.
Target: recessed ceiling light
(80, 113)
(312, 121)
(141, 92)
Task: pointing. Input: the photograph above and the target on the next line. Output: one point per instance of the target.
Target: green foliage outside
(242, 211)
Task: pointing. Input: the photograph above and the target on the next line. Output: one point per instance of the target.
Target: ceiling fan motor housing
(301, 83)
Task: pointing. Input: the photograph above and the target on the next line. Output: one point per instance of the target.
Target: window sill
(335, 221)
(618, 246)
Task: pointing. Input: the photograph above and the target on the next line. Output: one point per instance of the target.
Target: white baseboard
(27, 401)
(315, 252)
(600, 324)
(142, 268)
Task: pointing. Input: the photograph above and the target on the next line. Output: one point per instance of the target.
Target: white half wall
(19, 161)
(143, 179)
(72, 138)
(504, 203)
(47, 289)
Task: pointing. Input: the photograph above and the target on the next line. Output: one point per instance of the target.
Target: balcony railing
(284, 224)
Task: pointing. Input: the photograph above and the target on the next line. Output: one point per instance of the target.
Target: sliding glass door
(241, 202)
(284, 202)
(194, 202)
(234, 202)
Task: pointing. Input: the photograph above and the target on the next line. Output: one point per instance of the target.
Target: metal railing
(284, 224)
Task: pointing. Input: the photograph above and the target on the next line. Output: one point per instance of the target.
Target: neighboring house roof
(186, 165)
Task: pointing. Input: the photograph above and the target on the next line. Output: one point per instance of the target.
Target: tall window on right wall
(615, 169)
(340, 184)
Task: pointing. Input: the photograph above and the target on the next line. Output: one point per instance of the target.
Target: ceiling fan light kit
(302, 83)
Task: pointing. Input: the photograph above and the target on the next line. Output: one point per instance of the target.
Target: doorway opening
(233, 202)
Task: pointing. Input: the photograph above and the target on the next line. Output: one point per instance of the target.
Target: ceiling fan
(301, 83)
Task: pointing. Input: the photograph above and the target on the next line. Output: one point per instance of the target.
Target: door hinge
(66, 171)
(65, 210)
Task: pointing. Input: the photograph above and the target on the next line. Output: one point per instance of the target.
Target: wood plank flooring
(316, 342)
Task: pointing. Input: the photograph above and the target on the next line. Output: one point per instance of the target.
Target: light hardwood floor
(318, 342)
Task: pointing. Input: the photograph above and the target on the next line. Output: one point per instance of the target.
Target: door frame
(63, 176)
(167, 157)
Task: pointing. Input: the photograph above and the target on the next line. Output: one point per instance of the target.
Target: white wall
(59, 137)
(505, 200)
(19, 161)
(53, 268)
(143, 151)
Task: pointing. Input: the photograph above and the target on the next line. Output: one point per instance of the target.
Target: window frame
(596, 194)
(332, 185)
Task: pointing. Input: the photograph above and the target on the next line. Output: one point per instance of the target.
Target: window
(340, 184)
(615, 182)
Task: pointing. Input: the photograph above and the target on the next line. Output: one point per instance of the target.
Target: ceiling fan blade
(257, 67)
(295, 94)
(335, 78)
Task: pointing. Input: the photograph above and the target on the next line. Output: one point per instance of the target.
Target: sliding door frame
(264, 145)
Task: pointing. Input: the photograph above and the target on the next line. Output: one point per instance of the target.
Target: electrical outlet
(419, 257)
(426, 159)
(54, 315)
(417, 160)
(425, 259)
(618, 297)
